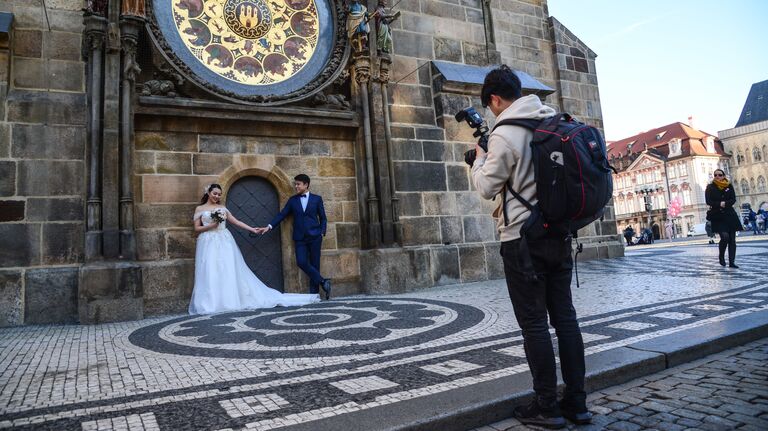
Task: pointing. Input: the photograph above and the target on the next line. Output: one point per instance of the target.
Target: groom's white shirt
(304, 201)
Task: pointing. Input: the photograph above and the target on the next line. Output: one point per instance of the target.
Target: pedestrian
(509, 163)
(629, 233)
(710, 232)
(762, 219)
(721, 197)
(669, 229)
(753, 222)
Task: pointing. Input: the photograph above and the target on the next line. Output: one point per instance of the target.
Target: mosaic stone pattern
(267, 369)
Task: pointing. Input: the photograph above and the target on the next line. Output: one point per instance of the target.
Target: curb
(490, 402)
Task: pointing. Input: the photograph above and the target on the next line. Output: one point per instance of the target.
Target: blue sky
(660, 61)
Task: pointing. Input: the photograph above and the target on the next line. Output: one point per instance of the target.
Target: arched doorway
(656, 231)
(254, 201)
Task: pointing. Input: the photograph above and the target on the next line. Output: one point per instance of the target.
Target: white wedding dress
(223, 281)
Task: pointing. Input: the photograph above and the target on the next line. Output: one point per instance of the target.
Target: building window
(657, 173)
(744, 187)
(739, 158)
(756, 156)
(710, 144)
(674, 148)
(761, 184)
(671, 171)
(752, 184)
(683, 169)
(687, 197)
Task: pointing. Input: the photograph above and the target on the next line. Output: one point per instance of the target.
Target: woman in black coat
(721, 198)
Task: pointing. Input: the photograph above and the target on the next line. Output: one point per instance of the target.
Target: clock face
(249, 47)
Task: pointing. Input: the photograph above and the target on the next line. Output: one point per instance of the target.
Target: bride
(223, 281)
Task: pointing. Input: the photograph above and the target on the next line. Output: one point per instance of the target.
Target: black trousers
(533, 301)
(728, 240)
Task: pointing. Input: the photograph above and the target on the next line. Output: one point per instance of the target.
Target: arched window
(744, 187)
(761, 184)
(739, 158)
(756, 156)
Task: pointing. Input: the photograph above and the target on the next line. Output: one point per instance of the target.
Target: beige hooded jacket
(509, 157)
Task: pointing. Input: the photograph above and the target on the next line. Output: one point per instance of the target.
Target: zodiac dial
(253, 42)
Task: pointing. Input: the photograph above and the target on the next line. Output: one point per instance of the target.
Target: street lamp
(646, 193)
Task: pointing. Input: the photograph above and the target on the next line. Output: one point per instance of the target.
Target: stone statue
(383, 32)
(331, 101)
(133, 7)
(357, 26)
(96, 7)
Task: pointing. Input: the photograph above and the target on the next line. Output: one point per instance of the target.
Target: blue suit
(308, 230)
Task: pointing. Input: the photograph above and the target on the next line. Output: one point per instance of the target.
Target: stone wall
(576, 76)
(175, 157)
(446, 229)
(42, 168)
(438, 207)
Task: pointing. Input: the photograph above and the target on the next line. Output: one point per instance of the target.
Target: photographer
(508, 163)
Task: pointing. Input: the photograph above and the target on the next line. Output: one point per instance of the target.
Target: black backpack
(573, 181)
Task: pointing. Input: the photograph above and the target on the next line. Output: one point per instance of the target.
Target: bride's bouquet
(218, 215)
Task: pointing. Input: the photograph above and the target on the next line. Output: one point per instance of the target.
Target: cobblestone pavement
(267, 369)
(726, 391)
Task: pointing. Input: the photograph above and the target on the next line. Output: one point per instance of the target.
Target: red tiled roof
(692, 141)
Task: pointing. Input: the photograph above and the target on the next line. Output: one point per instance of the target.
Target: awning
(468, 75)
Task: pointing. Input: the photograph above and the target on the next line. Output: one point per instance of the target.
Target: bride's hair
(208, 190)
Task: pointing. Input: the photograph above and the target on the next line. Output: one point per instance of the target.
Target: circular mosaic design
(253, 42)
(334, 328)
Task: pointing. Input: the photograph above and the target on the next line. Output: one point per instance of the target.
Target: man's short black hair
(502, 82)
(304, 178)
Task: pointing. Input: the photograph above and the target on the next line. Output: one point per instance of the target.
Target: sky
(659, 62)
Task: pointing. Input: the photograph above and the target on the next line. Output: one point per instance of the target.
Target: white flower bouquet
(218, 215)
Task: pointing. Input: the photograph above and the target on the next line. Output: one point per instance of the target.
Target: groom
(309, 224)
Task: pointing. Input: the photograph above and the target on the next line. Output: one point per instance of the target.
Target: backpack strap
(532, 125)
(529, 123)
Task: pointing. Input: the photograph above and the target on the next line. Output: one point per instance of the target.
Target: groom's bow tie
(303, 196)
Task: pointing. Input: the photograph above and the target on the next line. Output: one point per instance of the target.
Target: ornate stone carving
(157, 87)
(131, 68)
(384, 67)
(331, 101)
(167, 82)
(95, 30)
(362, 70)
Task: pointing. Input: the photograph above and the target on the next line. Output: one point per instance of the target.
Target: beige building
(657, 166)
(747, 143)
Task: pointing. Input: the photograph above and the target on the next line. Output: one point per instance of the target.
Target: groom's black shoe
(326, 285)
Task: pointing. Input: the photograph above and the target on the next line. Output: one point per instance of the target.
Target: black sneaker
(576, 412)
(533, 414)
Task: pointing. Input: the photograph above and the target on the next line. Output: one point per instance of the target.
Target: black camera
(475, 121)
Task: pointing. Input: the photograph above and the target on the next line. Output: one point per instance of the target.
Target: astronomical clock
(263, 51)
